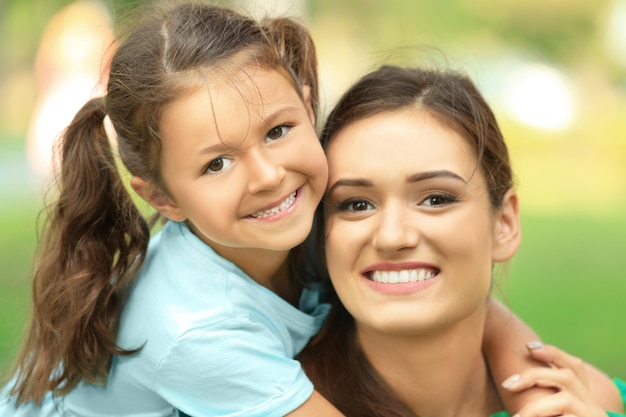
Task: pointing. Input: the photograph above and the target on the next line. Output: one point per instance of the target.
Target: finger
(556, 357)
(549, 406)
(557, 379)
(561, 404)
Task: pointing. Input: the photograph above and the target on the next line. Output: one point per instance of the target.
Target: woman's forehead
(410, 140)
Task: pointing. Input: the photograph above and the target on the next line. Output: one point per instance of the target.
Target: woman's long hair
(334, 360)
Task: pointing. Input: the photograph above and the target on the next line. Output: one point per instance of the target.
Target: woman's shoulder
(621, 387)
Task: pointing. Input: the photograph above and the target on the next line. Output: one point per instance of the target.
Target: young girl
(214, 118)
(419, 208)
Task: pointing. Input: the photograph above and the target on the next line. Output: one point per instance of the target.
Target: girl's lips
(279, 209)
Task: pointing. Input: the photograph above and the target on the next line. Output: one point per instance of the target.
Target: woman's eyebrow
(422, 176)
(350, 182)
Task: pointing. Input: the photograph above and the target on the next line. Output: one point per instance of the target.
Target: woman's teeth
(281, 207)
(406, 275)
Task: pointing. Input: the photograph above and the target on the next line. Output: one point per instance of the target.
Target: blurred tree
(22, 23)
(559, 30)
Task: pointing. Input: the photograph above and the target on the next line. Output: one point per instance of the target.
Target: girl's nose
(264, 173)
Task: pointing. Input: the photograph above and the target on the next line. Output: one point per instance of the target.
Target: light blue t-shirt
(213, 342)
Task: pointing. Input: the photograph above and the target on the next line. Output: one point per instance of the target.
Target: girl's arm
(504, 347)
(580, 389)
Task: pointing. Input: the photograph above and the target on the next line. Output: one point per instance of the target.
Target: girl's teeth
(282, 206)
(406, 275)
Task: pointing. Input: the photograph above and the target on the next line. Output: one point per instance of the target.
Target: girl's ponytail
(94, 241)
(296, 50)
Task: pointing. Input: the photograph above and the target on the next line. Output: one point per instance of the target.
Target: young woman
(419, 208)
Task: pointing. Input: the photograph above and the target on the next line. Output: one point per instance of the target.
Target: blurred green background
(554, 72)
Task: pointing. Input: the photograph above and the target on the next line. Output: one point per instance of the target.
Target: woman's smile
(402, 276)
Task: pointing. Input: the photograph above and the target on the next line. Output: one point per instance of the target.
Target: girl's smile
(277, 211)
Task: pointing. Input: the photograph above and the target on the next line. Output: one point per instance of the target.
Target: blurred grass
(567, 281)
(18, 213)
(17, 243)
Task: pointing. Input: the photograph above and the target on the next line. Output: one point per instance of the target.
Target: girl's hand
(568, 377)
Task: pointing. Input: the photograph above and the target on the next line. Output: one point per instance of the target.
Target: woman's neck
(439, 374)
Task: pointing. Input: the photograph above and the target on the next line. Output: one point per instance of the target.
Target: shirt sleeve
(237, 367)
(621, 386)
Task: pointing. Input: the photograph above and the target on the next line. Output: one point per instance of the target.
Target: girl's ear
(306, 94)
(507, 231)
(157, 198)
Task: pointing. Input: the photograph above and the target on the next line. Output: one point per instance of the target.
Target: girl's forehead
(248, 85)
(228, 108)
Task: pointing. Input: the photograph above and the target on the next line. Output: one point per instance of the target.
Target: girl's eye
(217, 165)
(439, 200)
(277, 132)
(355, 205)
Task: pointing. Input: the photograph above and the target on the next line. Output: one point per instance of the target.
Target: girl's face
(242, 163)
(411, 235)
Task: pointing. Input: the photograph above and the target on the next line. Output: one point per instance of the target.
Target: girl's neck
(439, 374)
(268, 268)
(284, 285)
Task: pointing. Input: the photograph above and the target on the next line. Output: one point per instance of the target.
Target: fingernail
(511, 381)
(516, 415)
(534, 345)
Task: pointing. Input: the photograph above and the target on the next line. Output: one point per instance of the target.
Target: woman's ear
(507, 231)
(306, 95)
(157, 198)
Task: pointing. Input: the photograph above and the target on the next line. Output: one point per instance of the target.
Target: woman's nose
(395, 230)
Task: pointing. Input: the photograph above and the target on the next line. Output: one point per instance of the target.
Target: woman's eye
(355, 205)
(277, 133)
(217, 165)
(438, 200)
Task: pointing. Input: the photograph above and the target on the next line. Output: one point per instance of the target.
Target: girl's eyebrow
(266, 123)
(217, 148)
(286, 111)
(421, 176)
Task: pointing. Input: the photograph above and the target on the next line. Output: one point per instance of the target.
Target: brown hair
(95, 239)
(334, 360)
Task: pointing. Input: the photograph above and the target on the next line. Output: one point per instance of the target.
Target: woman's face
(411, 235)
